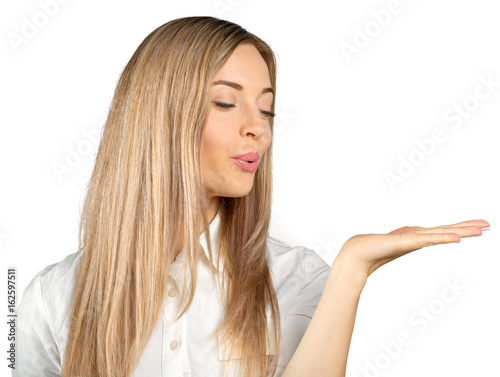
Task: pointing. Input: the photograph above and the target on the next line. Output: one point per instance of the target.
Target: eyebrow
(239, 87)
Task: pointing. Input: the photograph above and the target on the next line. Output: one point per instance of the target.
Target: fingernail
(486, 228)
(457, 241)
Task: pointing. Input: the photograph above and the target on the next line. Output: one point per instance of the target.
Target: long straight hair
(146, 188)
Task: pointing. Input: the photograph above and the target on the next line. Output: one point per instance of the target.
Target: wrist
(349, 273)
(350, 270)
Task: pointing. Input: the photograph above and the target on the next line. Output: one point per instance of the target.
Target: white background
(343, 122)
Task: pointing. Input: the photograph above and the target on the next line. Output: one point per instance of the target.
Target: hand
(371, 251)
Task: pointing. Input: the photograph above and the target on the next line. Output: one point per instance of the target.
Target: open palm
(371, 251)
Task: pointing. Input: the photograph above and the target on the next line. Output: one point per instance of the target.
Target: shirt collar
(214, 229)
(177, 265)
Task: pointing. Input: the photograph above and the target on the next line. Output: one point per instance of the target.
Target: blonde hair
(146, 188)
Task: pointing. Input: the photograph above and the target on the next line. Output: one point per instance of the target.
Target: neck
(212, 208)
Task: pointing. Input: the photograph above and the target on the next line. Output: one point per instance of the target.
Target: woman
(175, 273)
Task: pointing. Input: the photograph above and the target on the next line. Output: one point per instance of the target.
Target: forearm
(324, 347)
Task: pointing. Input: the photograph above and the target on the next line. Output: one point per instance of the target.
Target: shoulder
(53, 277)
(49, 294)
(299, 276)
(296, 264)
(57, 280)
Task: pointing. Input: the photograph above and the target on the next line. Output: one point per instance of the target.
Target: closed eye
(230, 105)
(224, 105)
(268, 113)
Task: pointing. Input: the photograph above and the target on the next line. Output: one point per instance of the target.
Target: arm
(324, 347)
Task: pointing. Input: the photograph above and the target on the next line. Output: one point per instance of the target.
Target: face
(238, 123)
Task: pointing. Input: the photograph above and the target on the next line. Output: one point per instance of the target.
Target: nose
(254, 124)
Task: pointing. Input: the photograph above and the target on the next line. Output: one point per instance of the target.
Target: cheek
(212, 145)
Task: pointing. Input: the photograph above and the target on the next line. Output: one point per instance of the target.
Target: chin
(236, 192)
(239, 194)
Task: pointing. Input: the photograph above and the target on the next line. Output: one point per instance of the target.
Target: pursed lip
(248, 157)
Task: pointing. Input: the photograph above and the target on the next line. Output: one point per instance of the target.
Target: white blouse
(180, 348)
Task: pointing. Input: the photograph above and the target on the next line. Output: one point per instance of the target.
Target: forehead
(246, 65)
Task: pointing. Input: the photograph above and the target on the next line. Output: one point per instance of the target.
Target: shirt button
(174, 344)
(173, 292)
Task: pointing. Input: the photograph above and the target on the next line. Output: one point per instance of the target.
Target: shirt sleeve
(37, 350)
(296, 321)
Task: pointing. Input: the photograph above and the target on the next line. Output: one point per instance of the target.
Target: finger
(479, 223)
(439, 238)
(461, 231)
(410, 241)
(429, 239)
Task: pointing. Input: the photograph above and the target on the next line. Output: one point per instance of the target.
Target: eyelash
(229, 105)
